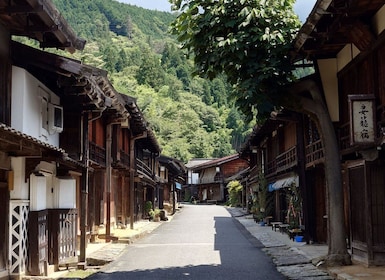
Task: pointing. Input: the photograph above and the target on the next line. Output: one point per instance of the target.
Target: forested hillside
(191, 117)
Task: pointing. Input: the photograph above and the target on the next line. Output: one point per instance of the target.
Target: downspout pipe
(132, 175)
(84, 191)
(109, 177)
(108, 181)
(85, 121)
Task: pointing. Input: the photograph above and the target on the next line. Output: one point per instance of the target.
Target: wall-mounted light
(162, 169)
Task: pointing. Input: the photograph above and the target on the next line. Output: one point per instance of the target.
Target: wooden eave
(174, 166)
(70, 78)
(138, 125)
(216, 162)
(259, 133)
(39, 20)
(16, 143)
(333, 24)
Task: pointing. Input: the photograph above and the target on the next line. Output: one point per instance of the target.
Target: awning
(284, 183)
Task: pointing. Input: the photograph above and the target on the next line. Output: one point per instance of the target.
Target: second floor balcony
(314, 153)
(143, 170)
(97, 154)
(283, 162)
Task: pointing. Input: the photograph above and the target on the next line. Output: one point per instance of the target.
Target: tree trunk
(316, 107)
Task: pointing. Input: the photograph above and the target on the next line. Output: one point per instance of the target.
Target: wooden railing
(287, 159)
(143, 169)
(38, 242)
(283, 162)
(314, 153)
(271, 167)
(97, 154)
(344, 136)
(62, 236)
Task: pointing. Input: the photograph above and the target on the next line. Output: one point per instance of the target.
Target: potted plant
(155, 215)
(262, 193)
(147, 209)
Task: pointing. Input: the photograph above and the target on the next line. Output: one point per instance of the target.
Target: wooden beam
(21, 9)
(360, 35)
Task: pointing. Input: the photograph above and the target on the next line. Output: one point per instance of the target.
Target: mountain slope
(191, 117)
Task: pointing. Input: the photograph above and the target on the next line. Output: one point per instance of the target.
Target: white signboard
(362, 120)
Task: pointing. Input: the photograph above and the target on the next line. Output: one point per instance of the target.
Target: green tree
(246, 40)
(235, 193)
(250, 42)
(150, 71)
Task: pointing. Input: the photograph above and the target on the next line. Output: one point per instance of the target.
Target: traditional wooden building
(75, 153)
(283, 154)
(144, 151)
(172, 174)
(212, 177)
(346, 42)
(29, 142)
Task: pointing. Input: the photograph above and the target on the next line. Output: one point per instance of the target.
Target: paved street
(201, 242)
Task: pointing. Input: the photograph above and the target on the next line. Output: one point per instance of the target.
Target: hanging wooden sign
(362, 119)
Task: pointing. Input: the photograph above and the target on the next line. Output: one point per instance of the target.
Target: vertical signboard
(362, 119)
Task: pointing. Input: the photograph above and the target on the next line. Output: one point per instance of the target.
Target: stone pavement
(295, 260)
(298, 260)
(100, 252)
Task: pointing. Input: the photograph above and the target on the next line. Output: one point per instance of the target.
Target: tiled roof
(20, 135)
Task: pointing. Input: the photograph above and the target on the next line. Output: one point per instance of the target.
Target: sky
(302, 7)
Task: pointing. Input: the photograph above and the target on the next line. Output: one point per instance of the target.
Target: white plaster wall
(65, 193)
(26, 107)
(20, 187)
(328, 71)
(38, 200)
(347, 54)
(379, 21)
(48, 169)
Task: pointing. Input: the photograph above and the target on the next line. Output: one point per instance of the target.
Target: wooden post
(132, 175)
(84, 191)
(108, 179)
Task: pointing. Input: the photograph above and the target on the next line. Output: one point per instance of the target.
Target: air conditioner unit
(55, 118)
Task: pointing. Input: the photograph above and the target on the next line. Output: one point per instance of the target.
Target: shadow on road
(241, 257)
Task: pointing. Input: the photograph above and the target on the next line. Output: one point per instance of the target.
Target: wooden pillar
(132, 176)
(5, 76)
(84, 191)
(108, 181)
(123, 200)
(305, 192)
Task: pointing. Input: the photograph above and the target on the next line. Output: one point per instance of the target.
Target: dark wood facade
(213, 176)
(50, 30)
(358, 73)
(105, 146)
(286, 154)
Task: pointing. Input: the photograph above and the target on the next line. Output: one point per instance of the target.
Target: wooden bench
(283, 228)
(275, 225)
